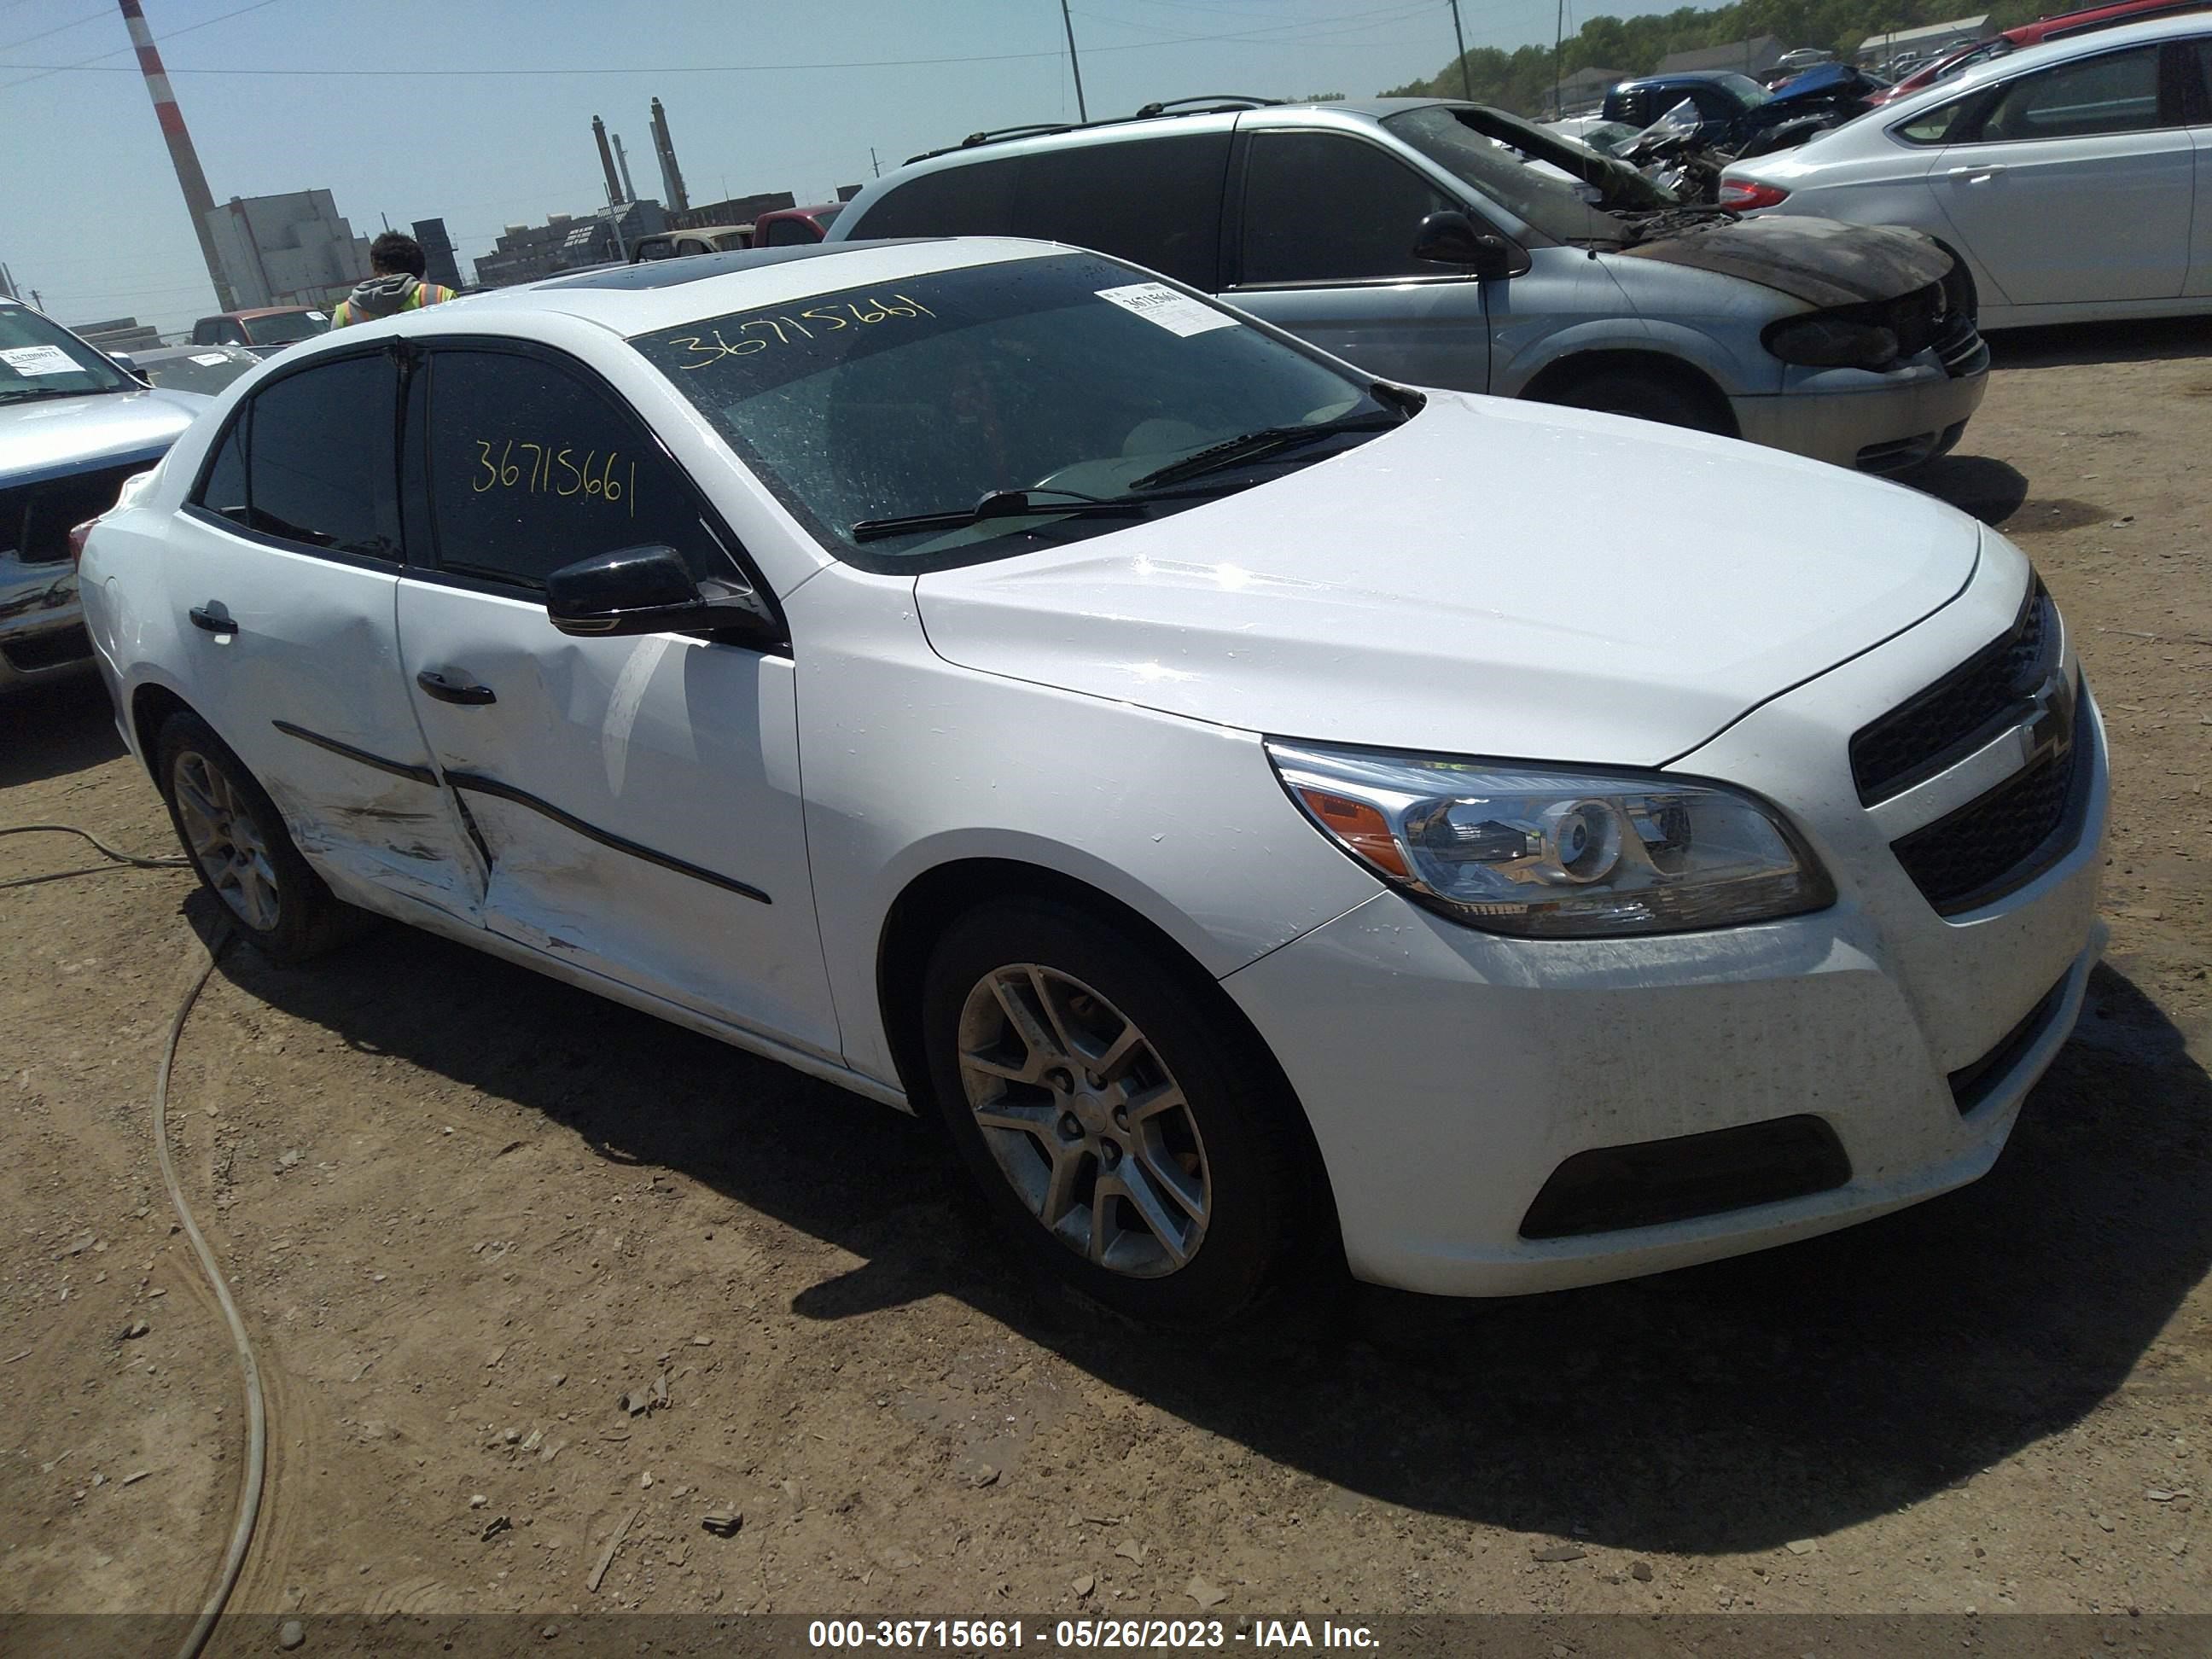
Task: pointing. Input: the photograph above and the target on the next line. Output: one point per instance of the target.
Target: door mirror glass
(1450, 238)
(644, 590)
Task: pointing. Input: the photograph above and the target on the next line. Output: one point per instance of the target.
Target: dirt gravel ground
(467, 1210)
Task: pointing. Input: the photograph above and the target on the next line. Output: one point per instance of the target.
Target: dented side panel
(638, 799)
(309, 692)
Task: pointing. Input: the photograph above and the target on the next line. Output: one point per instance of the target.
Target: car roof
(1683, 77)
(630, 300)
(1973, 79)
(2089, 18)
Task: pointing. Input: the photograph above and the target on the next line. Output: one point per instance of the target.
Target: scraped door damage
(296, 659)
(636, 801)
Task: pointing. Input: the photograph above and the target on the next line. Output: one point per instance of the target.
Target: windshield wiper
(1265, 440)
(999, 504)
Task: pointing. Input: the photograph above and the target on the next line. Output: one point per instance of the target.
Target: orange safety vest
(424, 293)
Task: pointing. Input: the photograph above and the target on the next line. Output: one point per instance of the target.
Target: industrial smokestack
(671, 177)
(607, 163)
(621, 160)
(198, 198)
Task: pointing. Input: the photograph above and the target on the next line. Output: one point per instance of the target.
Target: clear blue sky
(91, 215)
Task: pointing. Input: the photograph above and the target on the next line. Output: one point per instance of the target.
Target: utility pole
(1558, 45)
(1081, 113)
(1466, 80)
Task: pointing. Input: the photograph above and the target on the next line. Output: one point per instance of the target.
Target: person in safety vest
(397, 285)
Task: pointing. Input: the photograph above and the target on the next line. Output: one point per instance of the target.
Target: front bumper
(1449, 1075)
(1870, 422)
(42, 637)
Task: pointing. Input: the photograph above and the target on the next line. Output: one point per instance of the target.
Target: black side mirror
(1450, 238)
(646, 590)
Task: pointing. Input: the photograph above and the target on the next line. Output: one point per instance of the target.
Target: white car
(2076, 178)
(1245, 798)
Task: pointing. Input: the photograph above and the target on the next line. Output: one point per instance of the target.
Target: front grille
(1652, 1183)
(63, 645)
(1942, 725)
(1973, 1084)
(35, 519)
(2001, 840)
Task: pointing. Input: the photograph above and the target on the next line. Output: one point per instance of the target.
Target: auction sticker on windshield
(35, 361)
(1178, 314)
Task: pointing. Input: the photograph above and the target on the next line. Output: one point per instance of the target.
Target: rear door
(1323, 248)
(2078, 184)
(284, 572)
(638, 798)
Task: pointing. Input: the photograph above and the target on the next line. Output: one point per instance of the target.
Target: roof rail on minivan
(1213, 103)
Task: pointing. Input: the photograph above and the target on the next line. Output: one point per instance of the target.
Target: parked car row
(790, 227)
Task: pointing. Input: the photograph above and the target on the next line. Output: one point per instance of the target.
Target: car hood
(1819, 261)
(62, 435)
(1492, 578)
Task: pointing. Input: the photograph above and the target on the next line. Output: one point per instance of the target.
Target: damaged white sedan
(1024, 691)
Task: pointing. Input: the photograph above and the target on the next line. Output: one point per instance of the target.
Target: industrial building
(737, 210)
(293, 249)
(566, 241)
(439, 264)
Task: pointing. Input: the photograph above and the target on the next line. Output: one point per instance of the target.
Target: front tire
(238, 844)
(1131, 1139)
(1644, 397)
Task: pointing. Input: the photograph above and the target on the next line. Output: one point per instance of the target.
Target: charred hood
(1819, 261)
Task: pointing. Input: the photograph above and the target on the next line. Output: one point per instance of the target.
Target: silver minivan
(1450, 245)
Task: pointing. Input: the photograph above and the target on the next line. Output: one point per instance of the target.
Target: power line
(74, 22)
(427, 72)
(100, 60)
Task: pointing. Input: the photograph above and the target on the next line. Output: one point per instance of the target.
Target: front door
(638, 799)
(2077, 186)
(283, 575)
(1325, 251)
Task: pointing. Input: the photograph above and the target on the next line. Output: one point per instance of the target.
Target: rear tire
(1644, 397)
(238, 845)
(1132, 1141)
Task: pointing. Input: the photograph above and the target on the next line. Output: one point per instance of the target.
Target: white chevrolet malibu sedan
(1251, 803)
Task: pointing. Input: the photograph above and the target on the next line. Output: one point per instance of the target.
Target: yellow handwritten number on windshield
(713, 346)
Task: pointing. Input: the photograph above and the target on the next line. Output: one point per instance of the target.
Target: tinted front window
(319, 458)
(1154, 201)
(977, 200)
(1328, 206)
(533, 467)
(791, 233)
(2117, 91)
(1539, 198)
(923, 395)
(39, 360)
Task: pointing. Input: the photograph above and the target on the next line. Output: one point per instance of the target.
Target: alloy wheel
(1085, 1121)
(226, 843)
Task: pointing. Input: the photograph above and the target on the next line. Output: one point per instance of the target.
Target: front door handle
(212, 622)
(1975, 175)
(447, 689)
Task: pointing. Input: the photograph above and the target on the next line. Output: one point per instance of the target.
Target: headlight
(1552, 853)
(1817, 342)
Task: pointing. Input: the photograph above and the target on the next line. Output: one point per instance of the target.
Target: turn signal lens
(1359, 827)
(1745, 195)
(76, 535)
(1551, 852)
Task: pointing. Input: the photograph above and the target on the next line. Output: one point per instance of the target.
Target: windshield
(1745, 87)
(39, 359)
(1539, 195)
(206, 370)
(925, 394)
(286, 326)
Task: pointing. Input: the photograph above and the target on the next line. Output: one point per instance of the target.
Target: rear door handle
(212, 622)
(445, 688)
(1975, 175)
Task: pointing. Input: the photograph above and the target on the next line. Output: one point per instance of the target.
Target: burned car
(73, 426)
(1447, 243)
